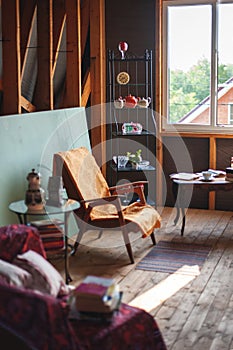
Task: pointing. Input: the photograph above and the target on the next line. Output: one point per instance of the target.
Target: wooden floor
(192, 312)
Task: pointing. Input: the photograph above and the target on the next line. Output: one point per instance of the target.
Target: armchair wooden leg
(130, 253)
(153, 238)
(100, 234)
(75, 247)
(127, 243)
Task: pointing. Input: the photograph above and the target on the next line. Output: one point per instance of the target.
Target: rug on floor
(175, 257)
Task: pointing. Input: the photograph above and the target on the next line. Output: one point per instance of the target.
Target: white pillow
(46, 278)
(14, 275)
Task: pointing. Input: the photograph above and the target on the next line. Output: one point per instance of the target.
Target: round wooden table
(180, 188)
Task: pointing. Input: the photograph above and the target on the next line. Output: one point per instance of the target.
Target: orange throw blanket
(91, 184)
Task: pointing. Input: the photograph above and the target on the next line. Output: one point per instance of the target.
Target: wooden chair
(101, 206)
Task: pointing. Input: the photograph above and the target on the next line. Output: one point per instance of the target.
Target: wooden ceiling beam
(24, 52)
(52, 18)
(43, 99)
(59, 19)
(73, 97)
(98, 79)
(58, 43)
(28, 106)
(85, 22)
(86, 88)
(11, 62)
(27, 16)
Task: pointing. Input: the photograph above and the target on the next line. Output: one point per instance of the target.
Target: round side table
(22, 211)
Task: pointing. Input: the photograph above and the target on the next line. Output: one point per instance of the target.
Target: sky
(190, 31)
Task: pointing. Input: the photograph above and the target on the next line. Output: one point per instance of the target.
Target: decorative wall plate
(123, 78)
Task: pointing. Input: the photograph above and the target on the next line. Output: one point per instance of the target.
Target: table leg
(183, 221)
(175, 195)
(179, 196)
(67, 275)
(22, 219)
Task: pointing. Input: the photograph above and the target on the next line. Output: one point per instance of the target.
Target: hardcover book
(97, 294)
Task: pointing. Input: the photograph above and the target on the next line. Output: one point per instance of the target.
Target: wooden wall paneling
(98, 80)
(86, 88)
(220, 152)
(133, 22)
(59, 52)
(43, 98)
(73, 57)
(158, 96)
(85, 23)
(198, 150)
(212, 165)
(224, 152)
(27, 15)
(11, 62)
(59, 19)
(25, 104)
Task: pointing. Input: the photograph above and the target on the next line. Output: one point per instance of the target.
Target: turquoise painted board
(29, 141)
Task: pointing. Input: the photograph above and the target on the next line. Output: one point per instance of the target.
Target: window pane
(189, 57)
(225, 65)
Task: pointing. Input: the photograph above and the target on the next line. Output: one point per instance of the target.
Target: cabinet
(127, 77)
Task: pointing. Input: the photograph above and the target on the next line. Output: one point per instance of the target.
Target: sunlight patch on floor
(161, 291)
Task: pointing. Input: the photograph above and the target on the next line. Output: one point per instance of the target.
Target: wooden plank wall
(43, 45)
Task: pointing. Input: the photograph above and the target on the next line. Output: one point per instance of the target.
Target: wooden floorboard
(193, 312)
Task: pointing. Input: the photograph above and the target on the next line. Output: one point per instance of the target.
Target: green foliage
(181, 104)
(188, 89)
(224, 73)
(135, 158)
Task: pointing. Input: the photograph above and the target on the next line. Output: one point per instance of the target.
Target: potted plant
(135, 158)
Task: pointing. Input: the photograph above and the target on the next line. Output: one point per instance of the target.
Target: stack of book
(185, 176)
(95, 298)
(229, 174)
(51, 233)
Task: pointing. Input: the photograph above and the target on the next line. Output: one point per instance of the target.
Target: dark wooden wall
(199, 151)
(175, 153)
(133, 22)
(224, 152)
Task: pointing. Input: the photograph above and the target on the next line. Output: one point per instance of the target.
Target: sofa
(34, 307)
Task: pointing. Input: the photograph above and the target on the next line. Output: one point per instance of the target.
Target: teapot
(144, 102)
(119, 103)
(130, 101)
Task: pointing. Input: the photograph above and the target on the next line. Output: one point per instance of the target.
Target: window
(198, 65)
(230, 114)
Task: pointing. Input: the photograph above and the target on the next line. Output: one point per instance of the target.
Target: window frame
(230, 113)
(194, 128)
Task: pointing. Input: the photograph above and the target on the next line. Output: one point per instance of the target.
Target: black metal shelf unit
(139, 83)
